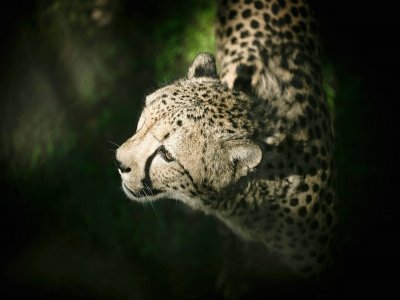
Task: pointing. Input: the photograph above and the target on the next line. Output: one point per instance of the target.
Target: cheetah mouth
(140, 194)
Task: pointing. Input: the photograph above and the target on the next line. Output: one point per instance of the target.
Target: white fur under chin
(144, 199)
(166, 195)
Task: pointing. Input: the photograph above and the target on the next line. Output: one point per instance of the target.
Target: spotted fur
(252, 146)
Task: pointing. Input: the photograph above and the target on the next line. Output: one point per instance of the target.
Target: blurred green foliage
(183, 37)
(78, 94)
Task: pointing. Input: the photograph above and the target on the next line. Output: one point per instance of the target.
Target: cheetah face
(193, 140)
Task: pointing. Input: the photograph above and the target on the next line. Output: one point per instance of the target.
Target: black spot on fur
(302, 121)
(228, 31)
(275, 8)
(232, 14)
(254, 24)
(294, 202)
(258, 5)
(288, 19)
(282, 3)
(244, 34)
(239, 26)
(294, 11)
(300, 59)
(304, 187)
(281, 22)
(302, 211)
(300, 98)
(264, 56)
(244, 76)
(296, 82)
(246, 13)
(288, 35)
(274, 207)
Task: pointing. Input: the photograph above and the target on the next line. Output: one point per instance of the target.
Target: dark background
(70, 83)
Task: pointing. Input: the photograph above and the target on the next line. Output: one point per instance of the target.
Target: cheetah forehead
(199, 107)
(202, 96)
(184, 88)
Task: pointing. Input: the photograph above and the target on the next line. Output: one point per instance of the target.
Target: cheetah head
(193, 140)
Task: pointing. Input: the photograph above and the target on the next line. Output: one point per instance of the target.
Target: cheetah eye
(165, 154)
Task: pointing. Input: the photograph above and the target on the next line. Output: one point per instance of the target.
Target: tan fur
(261, 159)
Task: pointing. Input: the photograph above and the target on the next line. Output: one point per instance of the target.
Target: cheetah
(253, 145)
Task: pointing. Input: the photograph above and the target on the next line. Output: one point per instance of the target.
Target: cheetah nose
(121, 167)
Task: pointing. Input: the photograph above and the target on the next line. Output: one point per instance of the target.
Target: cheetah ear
(244, 155)
(203, 66)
